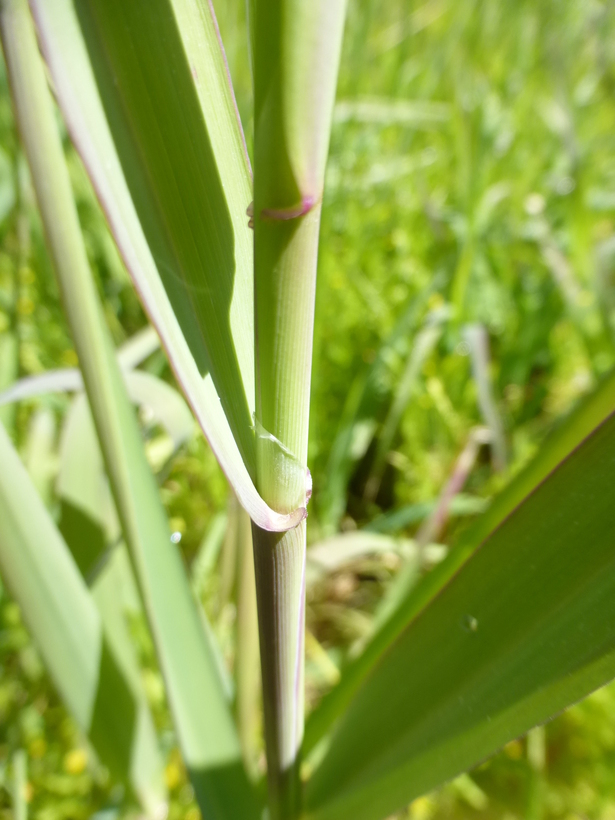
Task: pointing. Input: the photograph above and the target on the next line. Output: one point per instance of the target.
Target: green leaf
(524, 629)
(88, 518)
(165, 152)
(568, 434)
(89, 523)
(65, 624)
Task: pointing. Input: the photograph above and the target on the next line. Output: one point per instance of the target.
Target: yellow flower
(75, 761)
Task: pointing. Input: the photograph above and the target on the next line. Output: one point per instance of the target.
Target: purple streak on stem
(295, 211)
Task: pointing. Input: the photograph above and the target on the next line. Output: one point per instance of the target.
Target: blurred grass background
(466, 278)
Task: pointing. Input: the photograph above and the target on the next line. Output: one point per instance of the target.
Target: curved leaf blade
(526, 627)
(571, 431)
(175, 251)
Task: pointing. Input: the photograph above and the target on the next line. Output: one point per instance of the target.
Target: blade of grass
(332, 553)
(165, 153)
(358, 422)
(568, 435)
(423, 345)
(478, 341)
(524, 629)
(135, 350)
(204, 725)
(129, 355)
(88, 518)
(207, 555)
(462, 505)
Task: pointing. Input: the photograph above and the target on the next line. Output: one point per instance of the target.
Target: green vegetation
(465, 305)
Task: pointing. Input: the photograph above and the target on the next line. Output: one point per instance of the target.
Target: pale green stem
(296, 45)
(286, 224)
(285, 263)
(279, 560)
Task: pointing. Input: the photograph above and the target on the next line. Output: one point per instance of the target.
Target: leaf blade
(66, 51)
(591, 412)
(523, 629)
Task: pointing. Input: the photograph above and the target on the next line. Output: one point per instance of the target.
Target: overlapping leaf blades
(205, 729)
(165, 153)
(93, 680)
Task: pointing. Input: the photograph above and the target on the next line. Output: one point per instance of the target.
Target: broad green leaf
(568, 434)
(165, 153)
(525, 628)
(66, 626)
